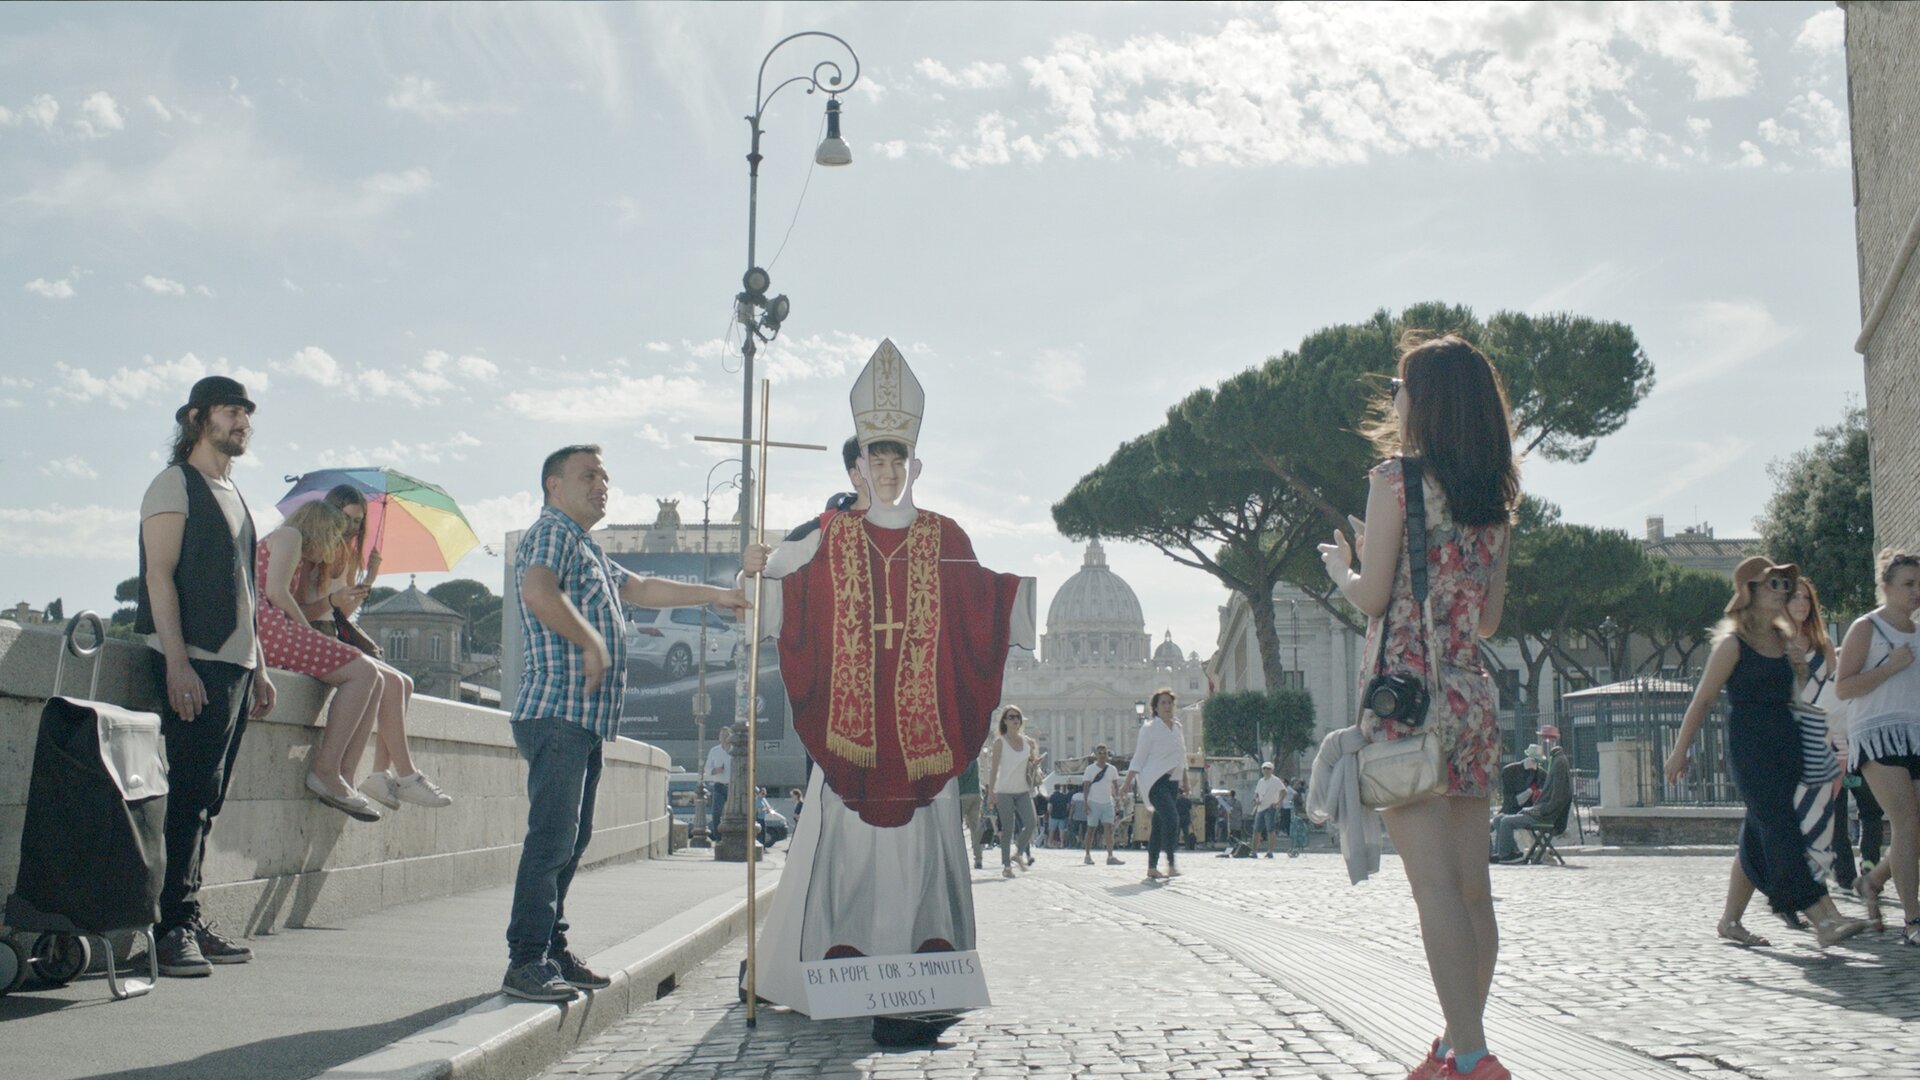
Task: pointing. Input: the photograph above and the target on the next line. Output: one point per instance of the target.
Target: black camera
(1399, 697)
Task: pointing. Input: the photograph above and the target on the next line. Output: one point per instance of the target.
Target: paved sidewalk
(317, 997)
(1279, 968)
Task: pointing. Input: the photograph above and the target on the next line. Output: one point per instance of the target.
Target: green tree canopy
(1253, 724)
(1675, 608)
(1561, 579)
(1243, 481)
(1821, 516)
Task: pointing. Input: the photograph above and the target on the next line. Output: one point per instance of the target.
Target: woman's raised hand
(1337, 557)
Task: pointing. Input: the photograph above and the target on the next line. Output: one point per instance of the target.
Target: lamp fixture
(833, 149)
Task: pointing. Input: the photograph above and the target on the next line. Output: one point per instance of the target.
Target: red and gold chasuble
(892, 647)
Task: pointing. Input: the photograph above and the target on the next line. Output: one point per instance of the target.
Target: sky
(449, 238)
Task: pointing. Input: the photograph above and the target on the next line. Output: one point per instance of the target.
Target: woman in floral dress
(1450, 408)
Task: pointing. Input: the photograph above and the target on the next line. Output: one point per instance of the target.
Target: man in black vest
(197, 610)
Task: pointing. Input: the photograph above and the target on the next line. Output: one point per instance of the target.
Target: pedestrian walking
(1077, 816)
(1449, 408)
(197, 608)
(1813, 796)
(1754, 660)
(571, 691)
(970, 806)
(715, 773)
(1270, 793)
(1881, 686)
(1010, 769)
(1159, 765)
(1102, 783)
(1297, 830)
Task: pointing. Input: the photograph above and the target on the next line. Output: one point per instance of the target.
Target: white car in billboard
(666, 640)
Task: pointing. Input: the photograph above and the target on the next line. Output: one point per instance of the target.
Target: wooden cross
(747, 683)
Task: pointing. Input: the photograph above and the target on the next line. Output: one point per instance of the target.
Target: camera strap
(1413, 480)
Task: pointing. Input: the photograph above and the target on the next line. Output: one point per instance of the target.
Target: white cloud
(42, 112)
(203, 291)
(1058, 374)
(1699, 125)
(1696, 462)
(291, 286)
(69, 532)
(313, 364)
(816, 356)
(406, 182)
(151, 381)
(659, 346)
(1320, 83)
(477, 368)
(214, 179)
(72, 468)
(100, 116)
(1824, 33)
(165, 114)
(398, 453)
(602, 399)
(978, 75)
(1750, 155)
(1722, 336)
(160, 286)
(893, 149)
(52, 290)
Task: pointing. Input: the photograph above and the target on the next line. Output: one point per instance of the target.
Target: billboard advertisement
(672, 651)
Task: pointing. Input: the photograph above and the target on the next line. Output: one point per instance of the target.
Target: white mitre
(887, 400)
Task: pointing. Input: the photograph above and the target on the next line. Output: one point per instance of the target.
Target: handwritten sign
(882, 985)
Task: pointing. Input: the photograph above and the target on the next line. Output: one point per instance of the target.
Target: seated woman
(309, 547)
(394, 779)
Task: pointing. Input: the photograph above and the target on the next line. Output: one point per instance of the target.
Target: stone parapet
(1669, 826)
(277, 856)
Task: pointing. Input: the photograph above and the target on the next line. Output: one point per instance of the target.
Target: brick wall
(1883, 53)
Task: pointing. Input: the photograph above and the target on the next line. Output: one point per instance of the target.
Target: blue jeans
(717, 795)
(563, 772)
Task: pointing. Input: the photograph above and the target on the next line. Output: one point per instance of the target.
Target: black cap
(214, 390)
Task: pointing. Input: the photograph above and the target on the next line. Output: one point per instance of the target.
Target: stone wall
(278, 856)
(1669, 826)
(1883, 52)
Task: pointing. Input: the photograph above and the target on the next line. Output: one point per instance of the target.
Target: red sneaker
(1487, 1068)
(1430, 1067)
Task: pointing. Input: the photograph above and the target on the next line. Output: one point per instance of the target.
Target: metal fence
(1644, 711)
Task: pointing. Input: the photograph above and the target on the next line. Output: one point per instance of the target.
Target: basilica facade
(1096, 668)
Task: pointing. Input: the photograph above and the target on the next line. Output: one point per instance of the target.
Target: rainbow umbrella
(416, 526)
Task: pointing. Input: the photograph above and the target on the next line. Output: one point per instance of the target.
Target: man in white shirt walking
(716, 773)
(1270, 793)
(1102, 783)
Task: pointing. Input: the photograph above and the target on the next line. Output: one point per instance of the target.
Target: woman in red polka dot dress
(311, 545)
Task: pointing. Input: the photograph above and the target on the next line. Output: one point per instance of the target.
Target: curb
(504, 1038)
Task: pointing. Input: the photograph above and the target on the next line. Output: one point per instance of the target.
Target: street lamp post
(702, 704)
(760, 319)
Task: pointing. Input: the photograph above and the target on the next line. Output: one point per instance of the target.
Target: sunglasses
(1395, 384)
(1778, 583)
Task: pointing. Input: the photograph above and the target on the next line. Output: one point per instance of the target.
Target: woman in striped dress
(1882, 689)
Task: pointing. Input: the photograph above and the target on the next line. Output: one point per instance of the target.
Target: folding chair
(1543, 849)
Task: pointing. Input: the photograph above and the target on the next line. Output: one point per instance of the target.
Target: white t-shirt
(1100, 789)
(1269, 791)
(168, 495)
(719, 764)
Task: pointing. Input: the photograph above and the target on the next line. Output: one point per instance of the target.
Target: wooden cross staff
(753, 669)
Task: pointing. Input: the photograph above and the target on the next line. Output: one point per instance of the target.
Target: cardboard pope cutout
(893, 639)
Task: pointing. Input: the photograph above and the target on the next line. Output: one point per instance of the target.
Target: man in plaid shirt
(571, 689)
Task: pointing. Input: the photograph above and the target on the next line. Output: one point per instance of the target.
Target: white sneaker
(379, 786)
(1111, 861)
(1089, 860)
(1006, 871)
(420, 791)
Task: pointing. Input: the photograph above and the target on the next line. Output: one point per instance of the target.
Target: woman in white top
(1160, 766)
(1882, 689)
(1009, 788)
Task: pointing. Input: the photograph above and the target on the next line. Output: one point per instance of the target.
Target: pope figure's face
(888, 471)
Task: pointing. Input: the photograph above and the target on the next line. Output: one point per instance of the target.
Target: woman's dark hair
(186, 435)
(1013, 711)
(342, 496)
(1459, 422)
(1892, 559)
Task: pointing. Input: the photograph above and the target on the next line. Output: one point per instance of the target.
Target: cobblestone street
(1280, 969)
